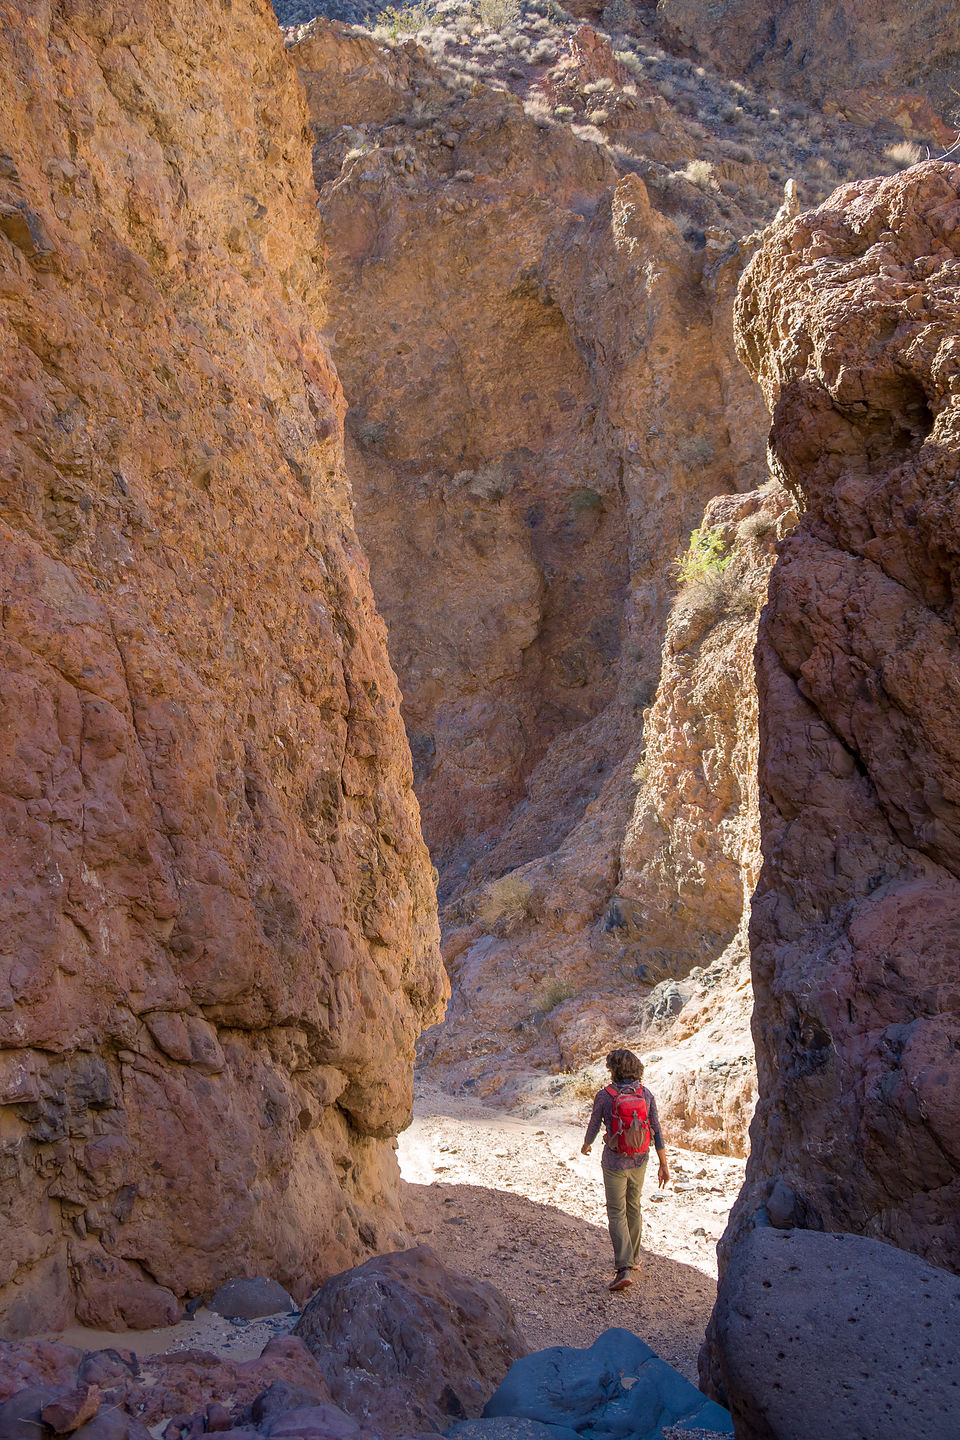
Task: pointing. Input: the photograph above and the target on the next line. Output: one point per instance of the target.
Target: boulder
(72, 1409)
(409, 1341)
(617, 1388)
(824, 1334)
(20, 1415)
(314, 1422)
(248, 1299)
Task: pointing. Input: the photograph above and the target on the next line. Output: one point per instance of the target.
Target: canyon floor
(511, 1200)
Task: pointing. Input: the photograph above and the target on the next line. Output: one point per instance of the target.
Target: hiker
(628, 1113)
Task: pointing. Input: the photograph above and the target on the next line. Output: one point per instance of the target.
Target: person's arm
(663, 1174)
(596, 1120)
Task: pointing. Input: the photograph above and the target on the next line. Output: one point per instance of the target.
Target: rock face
(848, 316)
(836, 1335)
(536, 426)
(873, 59)
(409, 1345)
(219, 935)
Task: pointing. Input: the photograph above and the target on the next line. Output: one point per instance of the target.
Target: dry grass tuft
(507, 903)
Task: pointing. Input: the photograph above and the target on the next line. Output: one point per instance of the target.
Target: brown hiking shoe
(620, 1281)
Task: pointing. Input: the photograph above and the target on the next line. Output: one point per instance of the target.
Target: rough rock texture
(543, 398)
(156, 1387)
(849, 316)
(691, 854)
(836, 1335)
(619, 1386)
(218, 931)
(877, 60)
(409, 1345)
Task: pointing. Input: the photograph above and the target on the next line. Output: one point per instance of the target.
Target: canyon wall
(875, 60)
(219, 933)
(544, 397)
(849, 318)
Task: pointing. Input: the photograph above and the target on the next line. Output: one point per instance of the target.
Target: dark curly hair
(624, 1065)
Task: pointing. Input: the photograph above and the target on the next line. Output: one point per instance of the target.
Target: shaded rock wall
(218, 933)
(849, 317)
(875, 60)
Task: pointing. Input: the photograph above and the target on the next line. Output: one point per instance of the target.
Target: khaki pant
(622, 1189)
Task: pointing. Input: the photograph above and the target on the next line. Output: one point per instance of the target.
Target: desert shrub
(696, 450)
(507, 902)
(599, 117)
(498, 14)
(758, 526)
(551, 994)
(405, 19)
(629, 61)
(582, 502)
(643, 693)
(369, 432)
(543, 53)
(490, 483)
(705, 555)
(722, 592)
(589, 132)
(699, 173)
(903, 155)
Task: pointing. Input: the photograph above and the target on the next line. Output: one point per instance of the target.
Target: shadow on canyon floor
(555, 1270)
(513, 1201)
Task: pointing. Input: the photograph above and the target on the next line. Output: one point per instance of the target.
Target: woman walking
(628, 1113)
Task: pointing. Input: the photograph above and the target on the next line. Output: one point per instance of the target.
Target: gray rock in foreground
(250, 1299)
(618, 1388)
(820, 1335)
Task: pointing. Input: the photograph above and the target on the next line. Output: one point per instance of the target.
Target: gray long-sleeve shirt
(602, 1114)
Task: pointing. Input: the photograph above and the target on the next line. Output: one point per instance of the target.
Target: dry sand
(514, 1202)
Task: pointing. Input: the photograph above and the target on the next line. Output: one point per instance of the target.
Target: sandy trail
(514, 1202)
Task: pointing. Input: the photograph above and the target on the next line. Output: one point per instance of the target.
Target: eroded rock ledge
(219, 934)
(849, 316)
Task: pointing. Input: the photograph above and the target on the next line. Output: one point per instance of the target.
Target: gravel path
(514, 1202)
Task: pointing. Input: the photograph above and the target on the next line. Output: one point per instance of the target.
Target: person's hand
(584, 1149)
(663, 1175)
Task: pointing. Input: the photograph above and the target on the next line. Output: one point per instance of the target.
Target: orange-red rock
(218, 932)
(849, 317)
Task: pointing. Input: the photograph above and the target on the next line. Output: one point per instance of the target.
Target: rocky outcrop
(407, 1345)
(219, 936)
(836, 1335)
(395, 1347)
(892, 65)
(157, 1388)
(848, 315)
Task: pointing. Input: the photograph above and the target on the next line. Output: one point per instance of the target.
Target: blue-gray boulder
(618, 1389)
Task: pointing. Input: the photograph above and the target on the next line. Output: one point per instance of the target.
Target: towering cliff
(219, 937)
(849, 318)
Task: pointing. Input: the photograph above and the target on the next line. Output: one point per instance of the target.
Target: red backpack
(630, 1125)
